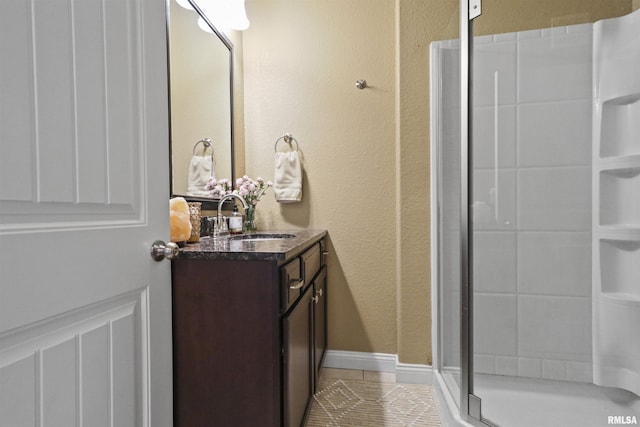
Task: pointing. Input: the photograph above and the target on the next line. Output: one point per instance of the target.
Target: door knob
(160, 250)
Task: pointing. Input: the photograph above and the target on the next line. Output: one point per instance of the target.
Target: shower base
(531, 402)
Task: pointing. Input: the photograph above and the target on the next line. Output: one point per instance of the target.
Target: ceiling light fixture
(185, 4)
(226, 14)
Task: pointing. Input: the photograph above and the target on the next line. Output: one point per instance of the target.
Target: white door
(85, 313)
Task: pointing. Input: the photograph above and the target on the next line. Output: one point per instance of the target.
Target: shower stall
(536, 212)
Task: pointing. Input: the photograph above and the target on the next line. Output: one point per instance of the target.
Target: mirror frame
(207, 203)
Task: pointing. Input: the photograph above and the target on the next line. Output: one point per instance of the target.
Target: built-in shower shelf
(616, 203)
(623, 100)
(619, 268)
(620, 129)
(621, 298)
(618, 231)
(620, 197)
(619, 162)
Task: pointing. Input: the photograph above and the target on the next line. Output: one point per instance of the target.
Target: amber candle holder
(194, 218)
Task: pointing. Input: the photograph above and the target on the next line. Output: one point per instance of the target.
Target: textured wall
(504, 16)
(367, 152)
(238, 101)
(302, 59)
(419, 24)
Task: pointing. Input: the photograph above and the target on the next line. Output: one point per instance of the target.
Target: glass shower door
(445, 90)
(540, 220)
(445, 186)
(449, 220)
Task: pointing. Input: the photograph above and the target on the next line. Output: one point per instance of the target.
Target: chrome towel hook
(287, 137)
(206, 142)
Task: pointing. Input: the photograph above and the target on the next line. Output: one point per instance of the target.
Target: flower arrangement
(218, 187)
(250, 190)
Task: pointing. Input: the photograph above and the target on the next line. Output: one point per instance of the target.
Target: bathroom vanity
(249, 329)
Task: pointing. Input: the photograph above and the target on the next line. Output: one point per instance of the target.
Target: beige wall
(419, 23)
(302, 59)
(366, 151)
(503, 16)
(236, 39)
(636, 4)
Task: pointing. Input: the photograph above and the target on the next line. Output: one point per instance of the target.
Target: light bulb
(237, 15)
(185, 4)
(203, 25)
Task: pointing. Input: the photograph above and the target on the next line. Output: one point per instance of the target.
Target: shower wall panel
(616, 203)
(448, 130)
(532, 203)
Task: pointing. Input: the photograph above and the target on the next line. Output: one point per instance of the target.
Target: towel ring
(287, 138)
(207, 143)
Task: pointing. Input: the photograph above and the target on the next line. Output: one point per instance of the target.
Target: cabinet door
(297, 363)
(319, 323)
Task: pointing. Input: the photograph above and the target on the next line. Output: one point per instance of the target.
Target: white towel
(200, 171)
(287, 184)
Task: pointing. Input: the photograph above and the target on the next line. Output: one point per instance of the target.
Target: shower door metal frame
(470, 404)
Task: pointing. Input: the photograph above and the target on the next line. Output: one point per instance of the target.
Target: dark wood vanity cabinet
(249, 337)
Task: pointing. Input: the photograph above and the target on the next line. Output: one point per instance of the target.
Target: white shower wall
(616, 203)
(532, 203)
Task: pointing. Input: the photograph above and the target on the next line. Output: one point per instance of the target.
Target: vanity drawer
(291, 283)
(311, 262)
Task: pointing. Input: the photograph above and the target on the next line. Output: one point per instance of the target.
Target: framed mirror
(201, 101)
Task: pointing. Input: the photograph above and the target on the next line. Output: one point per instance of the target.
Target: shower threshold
(531, 402)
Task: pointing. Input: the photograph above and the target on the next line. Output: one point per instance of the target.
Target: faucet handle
(212, 226)
(222, 224)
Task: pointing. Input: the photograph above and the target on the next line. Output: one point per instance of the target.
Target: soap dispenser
(235, 222)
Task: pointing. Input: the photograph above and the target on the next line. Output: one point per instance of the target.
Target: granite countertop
(239, 248)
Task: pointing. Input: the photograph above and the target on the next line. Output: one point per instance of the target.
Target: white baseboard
(414, 374)
(380, 362)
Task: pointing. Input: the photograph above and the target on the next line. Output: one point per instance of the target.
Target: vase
(250, 220)
(194, 217)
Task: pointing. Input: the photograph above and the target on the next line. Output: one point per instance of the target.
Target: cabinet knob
(320, 292)
(315, 299)
(298, 283)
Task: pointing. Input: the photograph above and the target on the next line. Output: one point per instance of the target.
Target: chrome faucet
(221, 226)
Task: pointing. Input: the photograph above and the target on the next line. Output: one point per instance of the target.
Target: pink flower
(250, 190)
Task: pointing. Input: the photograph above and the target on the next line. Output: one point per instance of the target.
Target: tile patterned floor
(347, 398)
